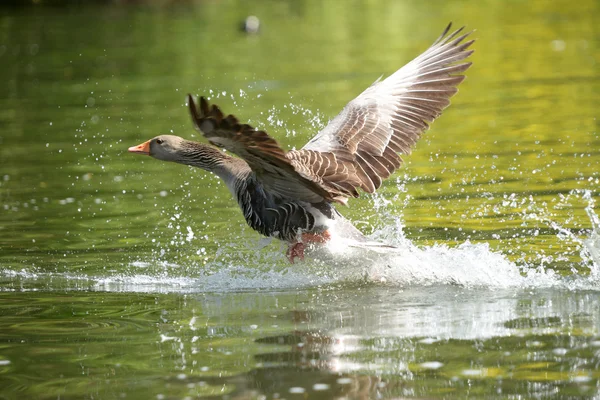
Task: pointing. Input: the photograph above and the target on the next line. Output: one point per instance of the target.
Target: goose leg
(321, 237)
(297, 249)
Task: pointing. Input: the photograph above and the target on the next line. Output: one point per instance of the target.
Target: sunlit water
(124, 277)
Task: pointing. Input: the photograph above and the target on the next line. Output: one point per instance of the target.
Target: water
(125, 277)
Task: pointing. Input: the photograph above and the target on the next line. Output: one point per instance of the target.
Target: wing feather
(388, 118)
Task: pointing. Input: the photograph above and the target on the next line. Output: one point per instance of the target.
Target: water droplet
(559, 45)
(431, 365)
(559, 351)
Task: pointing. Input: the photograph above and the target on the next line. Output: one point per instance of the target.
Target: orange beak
(143, 148)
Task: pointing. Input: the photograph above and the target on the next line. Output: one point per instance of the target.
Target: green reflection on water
(86, 344)
(81, 84)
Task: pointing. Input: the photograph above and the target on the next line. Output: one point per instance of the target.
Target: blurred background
(82, 81)
(109, 260)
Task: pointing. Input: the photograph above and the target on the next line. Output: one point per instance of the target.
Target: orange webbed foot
(297, 249)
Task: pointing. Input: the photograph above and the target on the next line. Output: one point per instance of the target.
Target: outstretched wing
(390, 116)
(259, 150)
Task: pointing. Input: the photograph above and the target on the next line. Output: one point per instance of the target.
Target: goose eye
(159, 141)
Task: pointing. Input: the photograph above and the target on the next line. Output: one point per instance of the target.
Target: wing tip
(446, 38)
(445, 32)
(193, 109)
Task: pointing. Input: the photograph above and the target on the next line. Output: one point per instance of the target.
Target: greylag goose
(290, 195)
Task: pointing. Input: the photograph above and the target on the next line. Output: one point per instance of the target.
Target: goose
(291, 195)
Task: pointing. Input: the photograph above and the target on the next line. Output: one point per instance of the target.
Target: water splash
(475, 264)
(587, 240)
(342, 261)
(468, 264)
(592, 243)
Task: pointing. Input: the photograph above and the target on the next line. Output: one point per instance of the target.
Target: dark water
(125, 277)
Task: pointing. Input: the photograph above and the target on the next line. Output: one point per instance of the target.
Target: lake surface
(126, 277)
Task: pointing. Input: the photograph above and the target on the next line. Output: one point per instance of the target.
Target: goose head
(163, 147)
(179, 150)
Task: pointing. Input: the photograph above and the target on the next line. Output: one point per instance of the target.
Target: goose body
(291, 195)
